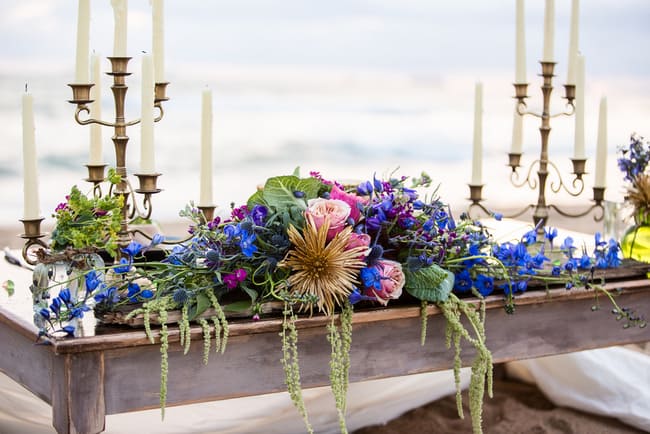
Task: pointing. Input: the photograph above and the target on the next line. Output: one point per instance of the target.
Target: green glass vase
(635, 243)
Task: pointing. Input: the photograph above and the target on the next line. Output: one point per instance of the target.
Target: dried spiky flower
(326, 270)
(639, 196)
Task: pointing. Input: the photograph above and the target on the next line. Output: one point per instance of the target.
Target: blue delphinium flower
(529, 237)
(92, 281)
(157, 239)
(246, 243)
(550, 234)
(65, 296)
(56, 305)
(133, 249)
(69, 330)
(365, 188)
(124, 266)
(484, 284)
(463, 281)
(371, 278)
(107, 295)
(78, 312)
(356, 296)
(258, 214)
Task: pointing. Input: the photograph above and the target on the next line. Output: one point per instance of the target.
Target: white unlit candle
(119, 36)
(520, 44)
(601, 145)
(83, 38)
(147, 161)
(477, 154)
(573, 43)
(30, 173)
(549, 30)
(517, 132)
(579, 143)
(95, 112)
(158, 45)
(205, 193)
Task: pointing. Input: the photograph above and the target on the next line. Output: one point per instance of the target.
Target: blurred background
(347, 88)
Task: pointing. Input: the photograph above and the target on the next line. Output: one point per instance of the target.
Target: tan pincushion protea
(320, 268)
(639, 196)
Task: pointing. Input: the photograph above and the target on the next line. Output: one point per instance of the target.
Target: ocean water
(347, 123)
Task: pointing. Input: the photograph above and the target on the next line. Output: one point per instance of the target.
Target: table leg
(78, 393)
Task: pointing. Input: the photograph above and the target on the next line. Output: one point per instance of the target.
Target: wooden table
(117, 370)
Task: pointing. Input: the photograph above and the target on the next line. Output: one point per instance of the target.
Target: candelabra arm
(596, 206)
(530, 180)
(571, 109)
(159, 106)
(521, 109)
(84, 108)
(578, 183)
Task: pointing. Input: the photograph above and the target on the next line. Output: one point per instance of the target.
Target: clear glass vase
(635, 243)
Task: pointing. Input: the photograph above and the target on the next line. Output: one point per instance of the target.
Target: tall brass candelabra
(543, 164)
(96, 172)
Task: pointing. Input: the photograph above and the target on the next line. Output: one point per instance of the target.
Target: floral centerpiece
(317, 246)
(633, 161)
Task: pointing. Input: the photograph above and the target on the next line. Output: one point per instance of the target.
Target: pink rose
(391, 281)
(359, 240)
(334, 210)
(351, 199)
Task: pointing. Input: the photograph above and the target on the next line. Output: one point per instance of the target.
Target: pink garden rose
(391, 280)
(351, 199)
(336, 211)
(359, 240)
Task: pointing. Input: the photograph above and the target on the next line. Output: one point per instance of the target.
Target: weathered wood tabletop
(115, 370)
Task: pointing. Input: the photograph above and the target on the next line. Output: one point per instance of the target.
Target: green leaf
(202, 304)
(432, 283)
(255, 199)
(279, 191)
(238, 306)
(251, 293)
(9, 286)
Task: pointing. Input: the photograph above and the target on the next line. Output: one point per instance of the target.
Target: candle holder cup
(33, 235)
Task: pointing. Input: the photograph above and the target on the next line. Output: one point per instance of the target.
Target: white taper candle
(30, 172)
(573, 43)
(579, 133)
(477, 154)
(83, 40)
(517, 132)
(520, 44)
(601, 146)
(95, 157)
(119, 37)
(147, 160)
(158, 44)
(205, 193)
(549, 30)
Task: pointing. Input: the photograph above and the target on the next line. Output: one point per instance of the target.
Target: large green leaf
(279, 191)
(431, 283)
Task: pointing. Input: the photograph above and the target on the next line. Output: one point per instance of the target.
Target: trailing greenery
(481, 376)
(424, 318)
(290, 364)
(340, 342)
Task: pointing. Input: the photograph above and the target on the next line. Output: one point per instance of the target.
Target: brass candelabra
(131, 209)
(545, 167)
